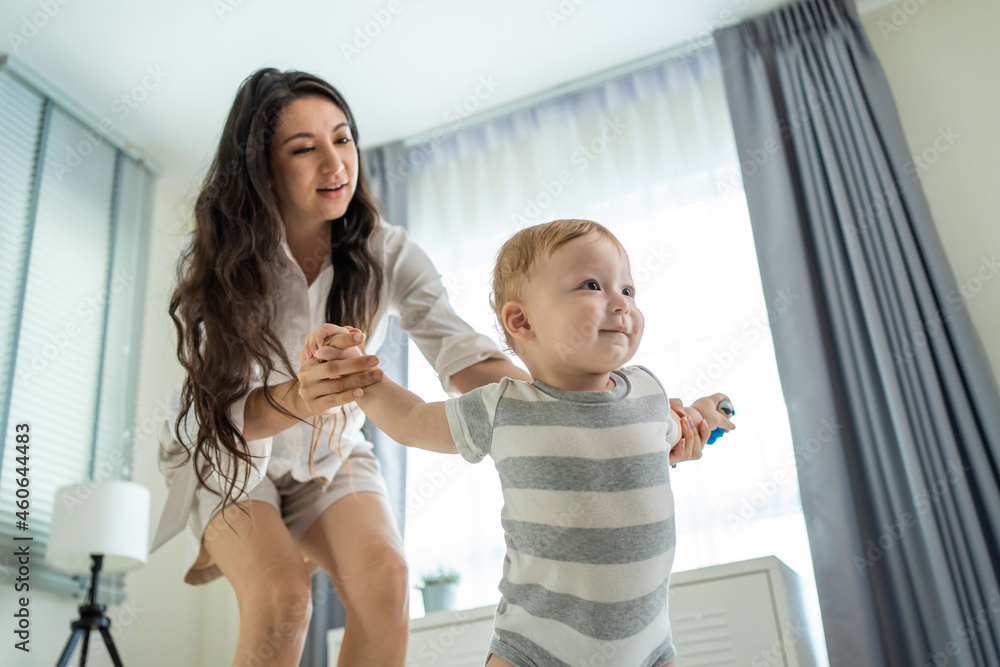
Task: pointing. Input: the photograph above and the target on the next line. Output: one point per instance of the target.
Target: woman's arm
(261, 420)
(320, 386)
(487, 372)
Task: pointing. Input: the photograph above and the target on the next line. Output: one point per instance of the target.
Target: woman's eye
(302, 150)
(591, 285)
(344, 140)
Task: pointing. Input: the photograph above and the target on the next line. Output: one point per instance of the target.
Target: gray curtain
(894, 411)
(328, 612)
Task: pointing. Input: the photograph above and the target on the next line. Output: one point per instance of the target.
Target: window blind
(74, 212)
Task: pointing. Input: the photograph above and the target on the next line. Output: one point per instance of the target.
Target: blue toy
(726, 408)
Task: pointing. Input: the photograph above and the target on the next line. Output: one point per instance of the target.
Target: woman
(287, 240)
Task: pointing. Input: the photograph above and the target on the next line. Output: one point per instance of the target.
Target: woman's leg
(265, 568)
(356, 541)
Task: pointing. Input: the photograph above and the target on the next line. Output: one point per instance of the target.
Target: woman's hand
(694, 432)
(332, 370)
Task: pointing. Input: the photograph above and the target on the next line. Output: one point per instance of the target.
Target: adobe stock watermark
(152, 423)
(581, 335)
(728, 16)
(557, 514)
(893, 532)
(946, 138)
(751, 506)
(293, 623)
(413, 160)
(654, 262)
(124, 617)
(34, 23)
(445, 640)
(902, 12)
(867, 216)
(468, 105)
(753, 160)
(968, 628)
(87, 311)
(581, 158)
(958, 298)
(370, 30)
(225, 7)
(776, 653)
(122, 107)
(605, 654)
(453, 286)
(108, 469)
(751, 332)
(433, 481)
(562, 12)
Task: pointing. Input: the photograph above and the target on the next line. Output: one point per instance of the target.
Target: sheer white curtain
(652, 157)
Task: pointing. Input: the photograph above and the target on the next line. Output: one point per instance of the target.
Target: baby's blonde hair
(520, 253)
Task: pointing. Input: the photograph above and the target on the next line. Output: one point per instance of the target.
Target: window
(74, 212)
(652, 157)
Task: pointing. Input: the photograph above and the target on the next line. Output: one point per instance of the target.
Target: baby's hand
(330, 349)
(708, 407)
(694, 433)
(333, 342)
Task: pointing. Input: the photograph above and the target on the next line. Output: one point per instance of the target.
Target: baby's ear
(515, 321)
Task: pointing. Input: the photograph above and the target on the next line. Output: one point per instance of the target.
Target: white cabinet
(745, 614)
(748, 614)
(442, 639)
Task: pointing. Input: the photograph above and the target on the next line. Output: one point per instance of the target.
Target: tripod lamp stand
(97, 526)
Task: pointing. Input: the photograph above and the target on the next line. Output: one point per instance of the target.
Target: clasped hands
(333, 371)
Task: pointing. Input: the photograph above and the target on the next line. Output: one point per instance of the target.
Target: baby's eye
(591, 285)
(629, 292)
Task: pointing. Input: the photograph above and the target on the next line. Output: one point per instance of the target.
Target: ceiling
(165, 73)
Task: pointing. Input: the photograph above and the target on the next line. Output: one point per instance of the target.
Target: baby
(583, 452)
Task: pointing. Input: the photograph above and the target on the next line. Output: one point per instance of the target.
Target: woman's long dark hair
(223, 305)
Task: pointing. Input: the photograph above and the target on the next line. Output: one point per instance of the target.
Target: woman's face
(314, 162)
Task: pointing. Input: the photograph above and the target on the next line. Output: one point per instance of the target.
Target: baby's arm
(406, 418)
(401, 414)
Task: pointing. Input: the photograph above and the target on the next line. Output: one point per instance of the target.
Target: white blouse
(411, 288)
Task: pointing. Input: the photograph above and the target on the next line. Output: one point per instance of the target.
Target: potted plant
(439, 589)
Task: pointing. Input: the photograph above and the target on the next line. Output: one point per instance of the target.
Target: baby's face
(580, 304)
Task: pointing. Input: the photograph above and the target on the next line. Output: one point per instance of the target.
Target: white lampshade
(110, 518)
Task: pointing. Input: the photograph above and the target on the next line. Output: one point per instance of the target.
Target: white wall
(169, 628)
(941, 59)
(180, 624)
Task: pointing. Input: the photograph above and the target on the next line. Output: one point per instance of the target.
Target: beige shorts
(299, 503)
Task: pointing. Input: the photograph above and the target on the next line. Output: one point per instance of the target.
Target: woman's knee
(390, 570)
(383, 586)
(282, 603)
